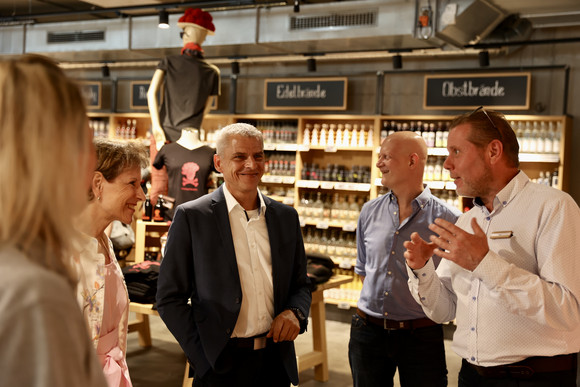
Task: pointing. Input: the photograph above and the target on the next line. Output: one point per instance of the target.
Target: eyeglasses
(489, 119)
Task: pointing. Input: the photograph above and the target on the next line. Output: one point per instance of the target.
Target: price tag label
(307, 183)
(269, 147)
(322, 225)
(288, 179)
(331, 149)
(303, 148)
(349, 227)
(287, 147)
(343, 305)
(327, 184)
(345, 264)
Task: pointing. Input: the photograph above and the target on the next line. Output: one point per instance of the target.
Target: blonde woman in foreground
(46, 159)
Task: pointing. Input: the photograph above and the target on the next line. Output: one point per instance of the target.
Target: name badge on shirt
(501, 234)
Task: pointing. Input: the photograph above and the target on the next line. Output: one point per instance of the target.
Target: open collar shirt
(523, 299)
(380, 259)
(254, 261)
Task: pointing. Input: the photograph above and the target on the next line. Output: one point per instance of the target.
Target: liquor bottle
(159, 211)
(385, 131)
(370, 136)
(554, 179)
(147, 209)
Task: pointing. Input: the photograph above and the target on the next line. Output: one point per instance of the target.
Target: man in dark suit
(238, 258)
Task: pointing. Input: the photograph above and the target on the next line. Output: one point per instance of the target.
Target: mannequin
(182, 163)
(187, 73)
(189, 139)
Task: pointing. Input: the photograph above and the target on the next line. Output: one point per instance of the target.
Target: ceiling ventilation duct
(476, 22)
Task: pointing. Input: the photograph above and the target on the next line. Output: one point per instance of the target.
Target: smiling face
(242, 164)
(119, 197)
(467, 164)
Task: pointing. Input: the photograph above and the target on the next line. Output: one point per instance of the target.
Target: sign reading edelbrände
(91, 92)
(305, 94)
(457, 92)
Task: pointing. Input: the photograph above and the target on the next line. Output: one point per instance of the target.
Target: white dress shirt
(523, 299)
(254, 260)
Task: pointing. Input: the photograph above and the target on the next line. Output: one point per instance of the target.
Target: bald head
(402, 160)
(407, 143)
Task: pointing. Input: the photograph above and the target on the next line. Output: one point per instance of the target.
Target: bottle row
(318, 207)
(435, 134)
(538, 136)
(100, 128)
(276, 131)
(533, 136)
(348, 293)
(335, 172)
(338, 135)
(338, 245)
(280, 164)
(434, 170)
(448, 196)
(125, 131)
(547, 178)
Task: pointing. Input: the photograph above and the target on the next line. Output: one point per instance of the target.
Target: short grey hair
(239, 129)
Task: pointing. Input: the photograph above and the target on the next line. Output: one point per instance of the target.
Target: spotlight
(163, 19)
(483, 58)
(105, 71)
(296, 6)
(311, 65)
(397, 61)
(235, 67)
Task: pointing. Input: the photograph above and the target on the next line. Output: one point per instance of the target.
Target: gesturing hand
(418, 251)
(465, 249)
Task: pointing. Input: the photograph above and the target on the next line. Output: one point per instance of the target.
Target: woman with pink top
(102, 294)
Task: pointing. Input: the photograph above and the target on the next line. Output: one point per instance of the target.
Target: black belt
(392, 324)
(528, 367)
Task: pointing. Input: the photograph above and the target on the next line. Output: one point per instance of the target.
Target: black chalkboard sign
(139, 94)
(305, 94)
(91, 92)
(457, 92)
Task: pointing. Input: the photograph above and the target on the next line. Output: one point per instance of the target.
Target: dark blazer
(200, 264)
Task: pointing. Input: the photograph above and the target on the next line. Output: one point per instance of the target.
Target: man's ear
(495, 151)
(217, 162)
(413, 160)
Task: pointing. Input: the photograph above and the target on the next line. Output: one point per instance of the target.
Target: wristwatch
(298, 313)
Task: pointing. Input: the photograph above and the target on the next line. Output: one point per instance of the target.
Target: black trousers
(241, 367)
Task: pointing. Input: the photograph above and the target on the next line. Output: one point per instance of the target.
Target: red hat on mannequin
(197, 18)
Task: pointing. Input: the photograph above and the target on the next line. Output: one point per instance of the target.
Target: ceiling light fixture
(105, 71)
(163, 19)
(235, 67)
(311, 65)
(397, 61)
(483, 58)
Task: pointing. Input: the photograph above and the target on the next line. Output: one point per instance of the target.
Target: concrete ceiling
(393, 32)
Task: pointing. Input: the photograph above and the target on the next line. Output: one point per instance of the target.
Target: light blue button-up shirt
(380, 237)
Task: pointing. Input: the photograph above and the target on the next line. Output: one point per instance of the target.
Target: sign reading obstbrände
(305, 94)
(457, 92)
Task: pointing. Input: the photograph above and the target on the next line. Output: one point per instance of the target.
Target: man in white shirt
(510, 273)
(232, 286)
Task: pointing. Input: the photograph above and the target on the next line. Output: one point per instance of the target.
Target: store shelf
(339, 186)
(539, 158)
(334, 149)
(348, 226)
(276, 179)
